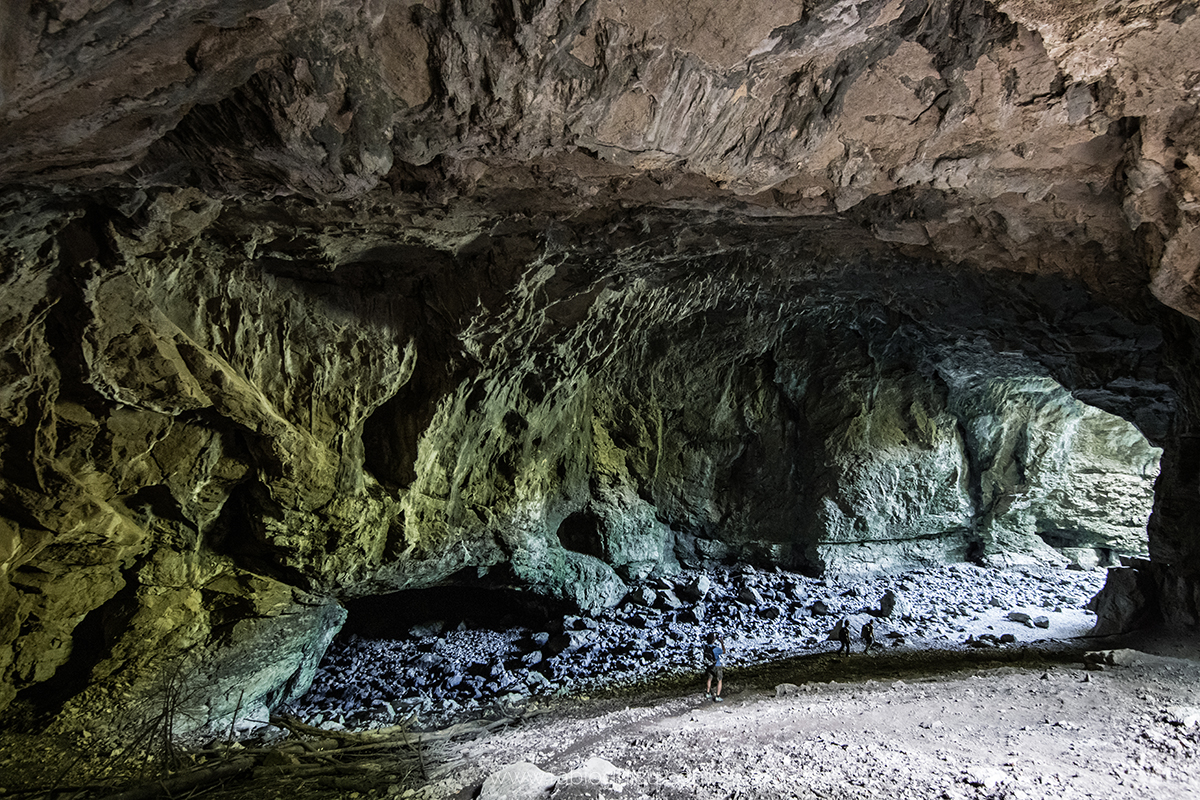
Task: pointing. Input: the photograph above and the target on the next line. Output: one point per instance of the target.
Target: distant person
(868, 635)
(843, 636)
(714, 665)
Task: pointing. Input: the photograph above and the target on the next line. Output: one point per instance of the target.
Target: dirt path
(916, 725)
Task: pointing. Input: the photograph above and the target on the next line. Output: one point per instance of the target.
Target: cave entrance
(1091, 491)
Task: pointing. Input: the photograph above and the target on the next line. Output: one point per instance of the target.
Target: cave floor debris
(932, 725)
(944, 715)
(445, 669)
(1030, 723)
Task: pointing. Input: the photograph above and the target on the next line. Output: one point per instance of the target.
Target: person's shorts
(717, 673)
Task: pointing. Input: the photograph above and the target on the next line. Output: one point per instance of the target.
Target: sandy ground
(935, 724)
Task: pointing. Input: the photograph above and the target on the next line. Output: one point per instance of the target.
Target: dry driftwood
(390, 735)
(323, 746)
(188, 781)
(314, 770)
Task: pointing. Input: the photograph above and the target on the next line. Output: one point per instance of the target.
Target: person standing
(843, 636)
(714, 665)
(868, 635)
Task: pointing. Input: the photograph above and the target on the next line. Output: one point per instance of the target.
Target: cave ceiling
(308, 300)
(1050, 138)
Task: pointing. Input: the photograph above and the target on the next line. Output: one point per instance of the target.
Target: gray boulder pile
(449, 669)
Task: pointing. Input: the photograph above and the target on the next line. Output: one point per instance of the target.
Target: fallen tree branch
(188, 781)
(317, 770)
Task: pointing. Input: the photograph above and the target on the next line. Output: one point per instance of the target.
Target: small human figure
(868, 635)
(843, 636)
(714, 665)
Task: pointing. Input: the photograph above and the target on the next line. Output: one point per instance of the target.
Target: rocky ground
(927, 727)
(944, 710)
(444, 668)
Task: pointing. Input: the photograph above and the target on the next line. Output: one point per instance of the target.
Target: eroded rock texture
(309, 301)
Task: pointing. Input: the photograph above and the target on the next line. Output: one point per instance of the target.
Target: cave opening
(583, 532)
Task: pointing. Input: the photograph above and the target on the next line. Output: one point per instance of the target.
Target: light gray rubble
(443, 669)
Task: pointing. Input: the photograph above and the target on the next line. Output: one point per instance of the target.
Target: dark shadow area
(234, 534)
(91, 642)
(432, 610)
(583, 533)
(392, 433)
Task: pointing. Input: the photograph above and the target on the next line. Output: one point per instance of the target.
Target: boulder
(750, 596)
(667, 600)
(427, 630)
(893, 605)
(1126, 602)
(580, 579)
(986, 778)
(695, 588)
(1183, 716)
(519, 781)
(644, 596)
(247, 665)
(821, 609)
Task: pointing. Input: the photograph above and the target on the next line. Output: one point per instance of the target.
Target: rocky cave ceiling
(305, 301)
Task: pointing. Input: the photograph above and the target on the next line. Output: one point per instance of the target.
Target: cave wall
(313, 300)
(219, 424)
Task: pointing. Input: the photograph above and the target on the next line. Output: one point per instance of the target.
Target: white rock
(987, 777)
(593, 771)
(520, 781)
(1185, 716)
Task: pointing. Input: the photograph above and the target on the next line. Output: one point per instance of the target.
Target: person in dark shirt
(843, 636)
(714, 665)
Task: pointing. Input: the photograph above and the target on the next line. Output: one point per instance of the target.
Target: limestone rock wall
(218, 423)
(311, 300)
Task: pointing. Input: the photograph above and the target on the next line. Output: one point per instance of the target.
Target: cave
(321, 321)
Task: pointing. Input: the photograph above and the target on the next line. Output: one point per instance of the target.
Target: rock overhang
(465, 211)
